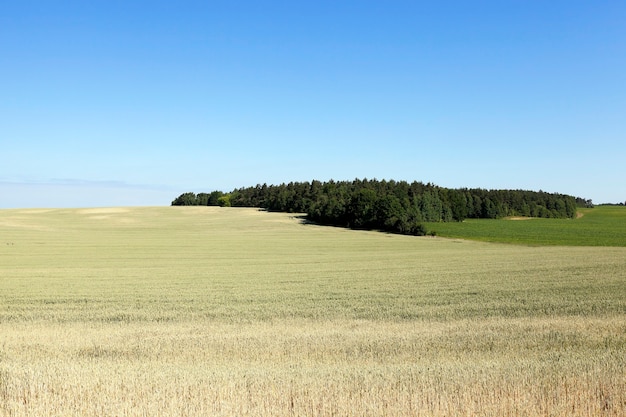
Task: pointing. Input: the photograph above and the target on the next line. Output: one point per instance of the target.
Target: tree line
(388, 205)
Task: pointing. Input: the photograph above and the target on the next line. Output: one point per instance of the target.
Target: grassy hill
(182, 311)
(598, 226)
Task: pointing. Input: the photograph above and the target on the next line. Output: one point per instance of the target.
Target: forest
(388, 205)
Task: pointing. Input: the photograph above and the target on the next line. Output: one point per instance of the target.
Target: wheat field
(187, 311)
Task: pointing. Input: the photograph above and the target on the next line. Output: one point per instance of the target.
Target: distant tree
(430, 206)
(224, 200)
(213, 199)
(390, 214)
(238, 198)
(489, 209)
(581, 202)
(457, 202)
(362, 209)
(185, 199)
(394, 206)
(202, 199)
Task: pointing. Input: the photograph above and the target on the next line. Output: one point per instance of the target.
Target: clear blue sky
(108, 103)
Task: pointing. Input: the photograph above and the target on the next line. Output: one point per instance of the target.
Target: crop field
(187, 311)
(598, 226)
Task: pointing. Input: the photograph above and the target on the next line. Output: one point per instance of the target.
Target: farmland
(181, 311)
(598, 226)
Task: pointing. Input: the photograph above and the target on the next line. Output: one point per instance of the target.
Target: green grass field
(598, 226)
(181, 311)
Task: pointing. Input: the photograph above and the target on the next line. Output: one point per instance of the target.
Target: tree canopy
(388, 205)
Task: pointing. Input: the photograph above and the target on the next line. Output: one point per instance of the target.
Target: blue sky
(108, 103)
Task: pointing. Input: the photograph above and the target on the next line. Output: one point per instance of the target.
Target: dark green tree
(185, 199)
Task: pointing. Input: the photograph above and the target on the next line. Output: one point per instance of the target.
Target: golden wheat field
(188, 311)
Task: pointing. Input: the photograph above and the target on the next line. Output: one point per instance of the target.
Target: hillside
(185, 311)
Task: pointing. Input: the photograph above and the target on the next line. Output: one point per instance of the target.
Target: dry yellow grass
(311, 368)
(206, 311)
